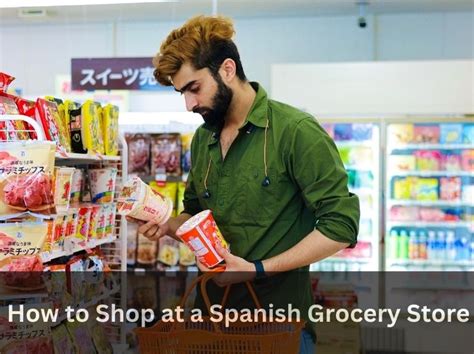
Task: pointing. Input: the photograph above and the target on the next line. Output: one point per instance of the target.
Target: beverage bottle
(422, 245)
(450, 246)
(393, 245)
(403, 245)
(432, 245)
(441, 243)
(413, 245)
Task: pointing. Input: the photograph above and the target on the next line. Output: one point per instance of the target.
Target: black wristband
(259, 269)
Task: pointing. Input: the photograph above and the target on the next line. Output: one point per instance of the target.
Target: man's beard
(215, 117)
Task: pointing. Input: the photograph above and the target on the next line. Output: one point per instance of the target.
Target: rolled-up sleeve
(317, 168)
(191, 201)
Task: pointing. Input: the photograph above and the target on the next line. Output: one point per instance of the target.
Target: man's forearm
(175, 223)
(313, 248)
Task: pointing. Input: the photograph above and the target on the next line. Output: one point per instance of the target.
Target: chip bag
(26, 179)
(91, 127)
(5, 81)
(47, 115)
(110, 128)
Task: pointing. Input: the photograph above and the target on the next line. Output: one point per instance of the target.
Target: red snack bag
(5, 80)
(26, 171)
(27, 108)
(138, 153)
(47, 115)
(7, 128)
(166, 154)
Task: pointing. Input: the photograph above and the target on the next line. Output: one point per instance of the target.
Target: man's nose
(191, 101)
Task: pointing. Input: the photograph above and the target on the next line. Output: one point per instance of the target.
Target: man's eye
(194, 89)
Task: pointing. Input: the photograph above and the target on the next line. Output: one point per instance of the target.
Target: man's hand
(237, 270)
(151, 229)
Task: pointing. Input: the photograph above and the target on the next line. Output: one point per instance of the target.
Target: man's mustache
(202, 110)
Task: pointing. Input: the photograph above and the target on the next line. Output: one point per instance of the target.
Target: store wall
(262, 42)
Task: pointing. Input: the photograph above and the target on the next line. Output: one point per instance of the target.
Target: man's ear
(228, 70)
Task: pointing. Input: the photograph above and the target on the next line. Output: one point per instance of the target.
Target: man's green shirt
(307, 190)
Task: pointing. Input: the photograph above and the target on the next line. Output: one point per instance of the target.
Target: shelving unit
(113, 247)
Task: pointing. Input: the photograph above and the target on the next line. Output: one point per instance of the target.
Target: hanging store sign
(114, 74)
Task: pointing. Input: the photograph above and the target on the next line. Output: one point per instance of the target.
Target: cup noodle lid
(192, 222)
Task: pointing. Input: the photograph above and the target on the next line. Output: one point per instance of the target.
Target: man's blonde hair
(202, 41)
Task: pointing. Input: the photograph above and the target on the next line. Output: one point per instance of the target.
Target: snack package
(467, 160)
(451, 162)
(451, 133)
(22, 239)
(102, 183)
(401, 134)
(132, 232)
(427, 189)
(168, 251)
(83, 224)
(428, 134)
(73, 115)
(110, 220)
(110, 116)
(146, 251)
(47, 115)
(180, 198)
(62, 124)
(166, 154)
(468, 134)
(91, 127)
(72, 221)
(361, 132)
(75, 278)
(8, 130)
(93, 222)
(167, 189)
(5, 81)
(26, 179)
(342, 132)
(402, 162)
(186, 256)
(77, 185)
(59, 230)
(186, 140)
(404, 188)
(428, 160)
(62, 342)
(81, 338)
(450, 188)
(62, 187)
(404, 213)
(102, 221)
(27, 108)
(138, 153)
(431, 214)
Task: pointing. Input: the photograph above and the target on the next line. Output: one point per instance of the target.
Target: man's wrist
(259, 269)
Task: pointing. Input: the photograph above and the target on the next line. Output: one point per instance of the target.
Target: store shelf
(355, 143)
(431, 173)
(444, 224)
(436, 203)
(428, 262)
(429, 147)
(91, 244)
(84, 158)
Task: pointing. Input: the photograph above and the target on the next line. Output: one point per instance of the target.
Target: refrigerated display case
(430, 196)
(359, 148)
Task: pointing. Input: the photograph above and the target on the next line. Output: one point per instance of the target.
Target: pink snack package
(451, 162)
(428, 134)
(467, 157)
(428, 160)
(450, 188)
(431, 214)
(404, 213)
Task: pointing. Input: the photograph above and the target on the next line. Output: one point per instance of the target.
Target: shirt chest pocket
(256, 203)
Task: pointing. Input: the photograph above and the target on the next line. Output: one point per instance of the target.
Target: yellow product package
(168, 189)
(186, 256)
(180, 197)
(62, 123)
(21, 239)
(26, 179)
(110, 129)
(168, 251)
(91, 130)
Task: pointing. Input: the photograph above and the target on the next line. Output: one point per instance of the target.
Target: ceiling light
(44, 3)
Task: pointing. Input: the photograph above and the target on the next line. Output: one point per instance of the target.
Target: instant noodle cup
(62, 186)
(76, 185)
(93, 222)
(139, 201)
(101, 221)
(110, 219)
(102, 182)
(201, 234)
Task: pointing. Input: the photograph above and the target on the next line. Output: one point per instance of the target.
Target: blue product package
(468, 134)
(361, 132)
(451, 133)
(342, 132)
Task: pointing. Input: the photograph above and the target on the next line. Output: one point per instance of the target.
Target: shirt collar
(257, 115)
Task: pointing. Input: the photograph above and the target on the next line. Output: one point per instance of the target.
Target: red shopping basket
(209, 337)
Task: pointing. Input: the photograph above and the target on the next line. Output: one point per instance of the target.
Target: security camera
(361, 21)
